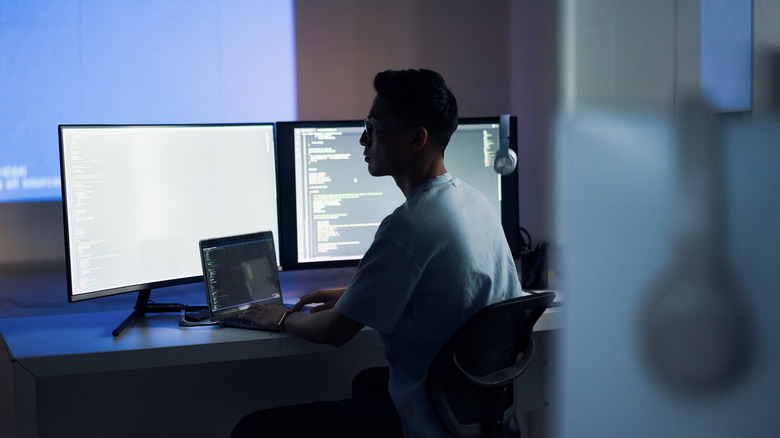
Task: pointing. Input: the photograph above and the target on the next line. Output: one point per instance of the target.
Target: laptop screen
(239, 271)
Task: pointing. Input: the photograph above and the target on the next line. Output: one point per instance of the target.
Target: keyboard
(241, 323)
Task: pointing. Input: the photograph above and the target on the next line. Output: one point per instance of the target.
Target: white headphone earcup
(505, 162)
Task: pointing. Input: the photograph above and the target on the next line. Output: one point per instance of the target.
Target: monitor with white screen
(137, 199)
(331, 206)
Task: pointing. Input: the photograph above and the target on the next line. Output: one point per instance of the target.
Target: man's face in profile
(384, 140)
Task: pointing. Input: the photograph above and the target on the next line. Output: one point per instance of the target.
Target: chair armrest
(504, 375)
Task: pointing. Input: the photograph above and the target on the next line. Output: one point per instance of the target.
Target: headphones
(505, 160)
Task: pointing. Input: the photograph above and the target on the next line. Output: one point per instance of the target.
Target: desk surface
(80, 343)
(65, 368)
(73, 342)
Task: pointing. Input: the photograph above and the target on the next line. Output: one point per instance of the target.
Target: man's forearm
(324, 327)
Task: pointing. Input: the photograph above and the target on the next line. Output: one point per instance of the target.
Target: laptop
(239, 271)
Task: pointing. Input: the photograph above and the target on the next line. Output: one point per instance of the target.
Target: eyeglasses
(370, 126)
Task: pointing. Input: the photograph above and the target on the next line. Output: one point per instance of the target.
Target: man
(435, 261)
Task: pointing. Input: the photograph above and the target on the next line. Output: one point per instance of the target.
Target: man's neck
(408, 182)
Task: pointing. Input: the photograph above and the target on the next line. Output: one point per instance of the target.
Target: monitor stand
(143, 306)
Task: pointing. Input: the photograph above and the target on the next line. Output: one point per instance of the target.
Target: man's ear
(420, 138)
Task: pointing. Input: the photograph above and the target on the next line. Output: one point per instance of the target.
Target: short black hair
(421, 98)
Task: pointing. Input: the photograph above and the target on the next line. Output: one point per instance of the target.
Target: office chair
(471, 380)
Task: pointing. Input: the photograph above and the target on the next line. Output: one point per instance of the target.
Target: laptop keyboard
(235, 321)
(241, 323)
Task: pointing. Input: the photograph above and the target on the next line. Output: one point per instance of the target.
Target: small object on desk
(533, 264)
(199, 315)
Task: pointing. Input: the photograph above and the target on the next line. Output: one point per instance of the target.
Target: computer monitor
(331, 206)
(137, 199)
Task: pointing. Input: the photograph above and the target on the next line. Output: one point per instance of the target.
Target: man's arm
(324, 325)
(328, 298)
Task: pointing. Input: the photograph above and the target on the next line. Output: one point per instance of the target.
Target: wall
(533, 96)
(628, 53)
(31, 235)
(199, 61)
(766, 57)
(497, 56)
(342, 45)
(516, 56)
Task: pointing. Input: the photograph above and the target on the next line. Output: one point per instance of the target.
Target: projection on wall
(726, 53)
(133, 62)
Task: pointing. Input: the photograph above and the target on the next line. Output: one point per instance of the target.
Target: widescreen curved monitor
(331, 206)
(137, 199)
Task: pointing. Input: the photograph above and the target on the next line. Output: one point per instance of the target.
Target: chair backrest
(470, 382)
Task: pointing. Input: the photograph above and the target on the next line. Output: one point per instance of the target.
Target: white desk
(70, 377)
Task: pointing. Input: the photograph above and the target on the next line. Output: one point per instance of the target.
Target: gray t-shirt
(435, 261)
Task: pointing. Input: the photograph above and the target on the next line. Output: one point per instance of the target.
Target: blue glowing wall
(726, 53)
(139, 61)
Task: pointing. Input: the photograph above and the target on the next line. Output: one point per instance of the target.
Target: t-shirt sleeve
(382, 285)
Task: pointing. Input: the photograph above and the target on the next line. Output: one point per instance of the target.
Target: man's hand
(266, 316)
(327, 297)
(325, 325)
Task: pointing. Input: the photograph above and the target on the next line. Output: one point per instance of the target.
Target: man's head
(410, 123)
(420, 98)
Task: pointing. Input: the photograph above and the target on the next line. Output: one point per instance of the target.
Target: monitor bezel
(141, 286)
(285, 146)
